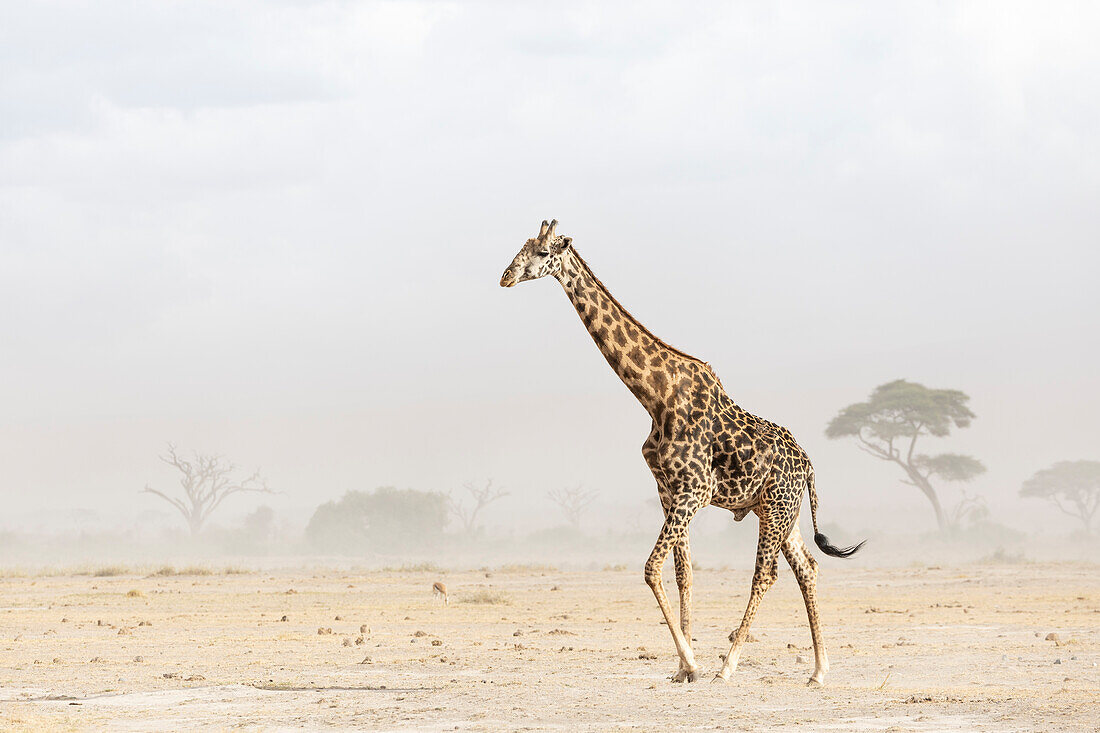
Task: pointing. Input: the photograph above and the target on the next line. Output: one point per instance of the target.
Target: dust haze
(274, 235)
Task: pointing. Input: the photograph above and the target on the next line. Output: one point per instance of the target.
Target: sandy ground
(914, 649)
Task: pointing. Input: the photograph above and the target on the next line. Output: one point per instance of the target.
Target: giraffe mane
(635, 321)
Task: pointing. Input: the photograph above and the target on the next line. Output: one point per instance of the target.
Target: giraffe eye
(543, 253)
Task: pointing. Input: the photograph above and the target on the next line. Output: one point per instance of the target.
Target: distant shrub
(419, 567)
(388, 519)
(109, 571)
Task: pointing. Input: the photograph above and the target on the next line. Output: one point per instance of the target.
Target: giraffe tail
(821, 540)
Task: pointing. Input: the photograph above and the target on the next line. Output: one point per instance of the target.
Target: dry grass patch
(486, 597)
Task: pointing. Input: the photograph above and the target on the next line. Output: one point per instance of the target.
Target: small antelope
(440, 590)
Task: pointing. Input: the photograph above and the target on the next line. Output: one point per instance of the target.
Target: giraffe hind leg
(805, 571)
(776, 522)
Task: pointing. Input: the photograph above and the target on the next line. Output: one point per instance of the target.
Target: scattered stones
(560, 632)
(144, 623)
(65, 620)
(194, 678)
(364, 629)
(139, 658)
(437, 642)
(99, 622)
(555, 588)
(359, 640)
(347, 641)
(57, 660)
(291, 592)
(170, 675)
(124, 631)
(647, 655)
(284, 618)
(322, 630)
(134, 593)
(418, 634)
(366, 660)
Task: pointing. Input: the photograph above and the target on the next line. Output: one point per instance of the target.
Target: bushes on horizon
(386, 520)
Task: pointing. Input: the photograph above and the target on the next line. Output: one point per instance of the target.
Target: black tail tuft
(823, 542)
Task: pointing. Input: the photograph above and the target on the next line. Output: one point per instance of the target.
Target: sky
(275, 231)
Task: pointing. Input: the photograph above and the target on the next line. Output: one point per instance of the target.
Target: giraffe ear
(564, 244)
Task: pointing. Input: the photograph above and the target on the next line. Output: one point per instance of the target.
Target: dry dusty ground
(955, 648)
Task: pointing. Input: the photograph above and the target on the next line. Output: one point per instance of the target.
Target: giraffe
(702, 450)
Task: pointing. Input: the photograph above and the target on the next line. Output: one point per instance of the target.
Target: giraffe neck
(647, 366)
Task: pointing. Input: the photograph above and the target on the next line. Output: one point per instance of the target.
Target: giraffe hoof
(719, 677)
(816, 681)
(685, 675)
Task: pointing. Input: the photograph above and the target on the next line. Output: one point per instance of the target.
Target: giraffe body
(702, 449)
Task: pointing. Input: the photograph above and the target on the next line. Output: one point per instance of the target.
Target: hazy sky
(275, 230)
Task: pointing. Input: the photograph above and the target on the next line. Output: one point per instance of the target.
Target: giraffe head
(538, 257)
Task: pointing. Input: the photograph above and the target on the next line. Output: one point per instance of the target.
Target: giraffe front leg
(672, 532)
(681, 555)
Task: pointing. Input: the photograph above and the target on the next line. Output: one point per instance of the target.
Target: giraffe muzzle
(508, 279)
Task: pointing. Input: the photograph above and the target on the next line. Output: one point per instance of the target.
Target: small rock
(57, 660)
(517, 632)
(364, 629)
(555, 588)
(1052, 637)
(1057, 661)
(799, 659)
(139, 658)
(284, 618)
(144, 623)
(437, 642)
(358, 640)
(347, 641)
(647, 655)
(338, 618)
(321, 630)
(366, 660)
(419, 633)
(194, 678)
(792, 646)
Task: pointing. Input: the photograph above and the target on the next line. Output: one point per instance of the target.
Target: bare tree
(573, 502)
(483, 497)
(206, 481)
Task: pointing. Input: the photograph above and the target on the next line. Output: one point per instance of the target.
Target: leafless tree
(482, 496)
(206, 481)
(573, 502)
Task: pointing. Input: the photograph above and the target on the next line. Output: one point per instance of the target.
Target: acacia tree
(207, 480)
(1072, 486)
(573, 502)
(898, 414)
(482, 496)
